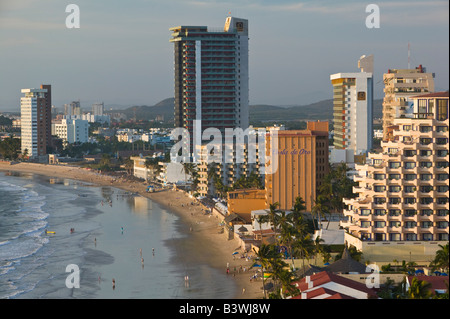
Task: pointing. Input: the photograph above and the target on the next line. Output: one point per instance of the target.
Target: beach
(203, 229)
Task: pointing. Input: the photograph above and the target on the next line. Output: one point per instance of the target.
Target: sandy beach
(218, 249)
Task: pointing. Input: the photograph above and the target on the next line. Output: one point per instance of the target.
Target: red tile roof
(324, 277)
(437, 282)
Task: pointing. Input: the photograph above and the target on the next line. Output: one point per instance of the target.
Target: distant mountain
(322, 110)
(164, 108)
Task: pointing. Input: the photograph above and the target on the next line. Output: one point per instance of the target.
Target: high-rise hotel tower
(211, 77)
(399, 86)
(35, 109)
(353, 108)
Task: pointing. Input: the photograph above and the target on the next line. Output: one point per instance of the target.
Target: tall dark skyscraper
(211, 77)
(47, 113)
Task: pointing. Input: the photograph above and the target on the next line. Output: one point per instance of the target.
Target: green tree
(441, 259)
(265, 256)
(10, 148)
(419, 289)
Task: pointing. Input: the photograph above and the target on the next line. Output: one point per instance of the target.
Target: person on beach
(113, 283)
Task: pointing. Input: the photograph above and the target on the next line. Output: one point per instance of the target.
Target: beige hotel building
(403, 192)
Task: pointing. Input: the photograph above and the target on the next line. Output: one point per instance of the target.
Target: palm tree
(152, 163)
(441, 259)
(264, 255)
(318, 249)
(303, 246)
(419, 289)
(129, 165)
(189, 169)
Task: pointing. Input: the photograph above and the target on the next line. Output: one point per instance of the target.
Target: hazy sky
(121, 53)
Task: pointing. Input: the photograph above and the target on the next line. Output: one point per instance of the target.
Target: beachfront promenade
(218, 248)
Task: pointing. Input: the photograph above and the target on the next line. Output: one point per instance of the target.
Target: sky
(121, 53)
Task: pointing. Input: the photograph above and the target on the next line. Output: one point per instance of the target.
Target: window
(379, 176)
(410, 189)
(410, 177)
(426, 177)
(409, 153)
(410, 165)
(394, 212)
(427, 237)
(425, 153)
(442, 109)
(379, 188)
(425, 164)
(410, 237)
(426, 224)
(394, 237)
(394, 189)
(394, 176)
(410, 224)
(441, 129)
(442, 188)
(410, 212)
(425, 141)
(426, 212)
(365, 212)
(441, 225)
(442, 153)
(426, 200)
(441, 164)
(395, 224)
(441, 141)
(379, 200)
(426, 188)
(394, 164)
(379, 224)
(406, 127)
(409, 200)
(394, 200)
(425, 129)
(379, 212)
(442, 177)
(365, 224)
(442, 212)
(442, 200)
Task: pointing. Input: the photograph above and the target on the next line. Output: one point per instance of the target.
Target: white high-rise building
(33, 125)
(353, 108)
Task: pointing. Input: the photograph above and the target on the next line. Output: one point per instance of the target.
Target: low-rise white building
(72, 130)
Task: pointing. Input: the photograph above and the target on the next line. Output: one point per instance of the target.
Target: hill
(322, 110)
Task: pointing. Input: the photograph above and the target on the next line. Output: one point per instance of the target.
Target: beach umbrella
(419, 271)
(235, 253)
(256, 265)
(437, 273)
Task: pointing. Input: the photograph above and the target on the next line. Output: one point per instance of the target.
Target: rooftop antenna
(409, 56)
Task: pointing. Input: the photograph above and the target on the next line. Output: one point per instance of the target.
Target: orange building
(243, 201)
(302, 164)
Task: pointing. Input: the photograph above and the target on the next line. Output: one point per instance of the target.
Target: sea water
(117, 236)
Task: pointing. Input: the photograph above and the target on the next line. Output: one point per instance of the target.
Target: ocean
(118, 236)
